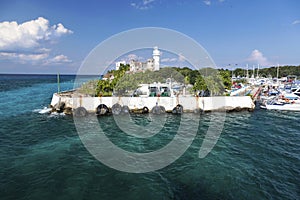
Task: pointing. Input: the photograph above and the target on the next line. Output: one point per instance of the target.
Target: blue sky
(56, 36)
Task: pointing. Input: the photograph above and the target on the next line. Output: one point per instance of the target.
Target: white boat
(290, 97)
(293, 94)
(275, 104)
(241, 90)
(296, 91)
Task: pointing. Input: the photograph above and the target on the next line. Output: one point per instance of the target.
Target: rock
(250, 109)
(68, 111)
(238, 109)
(144, 110)
(197, 111)
(59, 107)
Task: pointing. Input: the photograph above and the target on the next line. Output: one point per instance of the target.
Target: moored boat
(276, 104)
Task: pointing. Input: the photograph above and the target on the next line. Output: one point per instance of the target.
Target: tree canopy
(205, 79)
(271, 71)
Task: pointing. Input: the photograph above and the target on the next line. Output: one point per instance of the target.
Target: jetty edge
(68, 102)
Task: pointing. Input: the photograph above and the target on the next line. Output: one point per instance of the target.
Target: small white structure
(154, 90)
(118, 64)
(151, 64)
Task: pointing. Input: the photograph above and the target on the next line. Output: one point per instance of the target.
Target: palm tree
(214, 85)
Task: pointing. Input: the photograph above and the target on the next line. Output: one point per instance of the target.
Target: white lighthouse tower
(156, 54)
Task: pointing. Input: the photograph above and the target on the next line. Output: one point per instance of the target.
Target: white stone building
(151, 64)
(118, 64)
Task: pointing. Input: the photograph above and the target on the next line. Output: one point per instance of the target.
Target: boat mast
(247, 76)
(257, 70)
(277, 72)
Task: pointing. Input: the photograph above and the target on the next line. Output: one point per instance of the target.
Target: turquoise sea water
(42, 157)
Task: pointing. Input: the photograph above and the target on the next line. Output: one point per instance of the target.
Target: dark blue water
(42, 157)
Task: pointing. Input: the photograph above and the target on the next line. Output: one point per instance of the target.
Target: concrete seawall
(189, 104)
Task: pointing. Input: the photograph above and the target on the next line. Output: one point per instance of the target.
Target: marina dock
(255, 92)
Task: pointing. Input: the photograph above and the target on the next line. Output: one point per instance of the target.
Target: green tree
(200, 84)
(226, 78)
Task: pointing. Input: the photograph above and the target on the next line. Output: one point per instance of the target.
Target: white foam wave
(45, 110)
(55, 114)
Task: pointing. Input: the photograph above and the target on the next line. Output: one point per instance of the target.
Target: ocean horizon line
(47, 74)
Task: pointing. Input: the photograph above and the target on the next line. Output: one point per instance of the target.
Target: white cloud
(60, 30)
(181, 58)
(56, 60)
(130, 57)
(37, 58)
(143, 5)
(296, 22)
(29, 34)
(257, 57)
(46, 50)
(61, 58)
(169, 60)
(29, 42)
(23, 57)
(207, 2)
(145, 2)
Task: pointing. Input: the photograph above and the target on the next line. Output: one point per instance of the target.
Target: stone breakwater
(72, 103)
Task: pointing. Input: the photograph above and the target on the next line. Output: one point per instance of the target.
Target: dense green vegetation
(205, 79)
(131, 81)
(272, 71)
(104, 87)
(216, 81)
